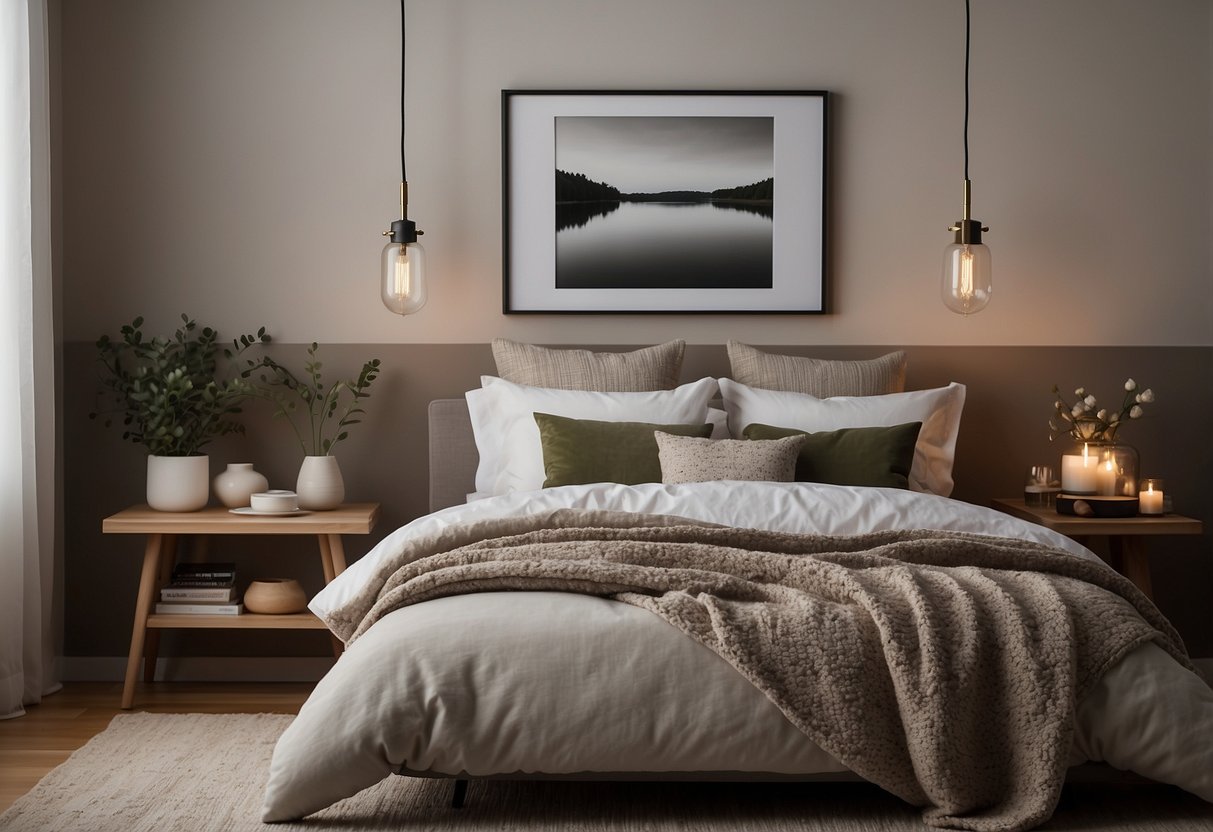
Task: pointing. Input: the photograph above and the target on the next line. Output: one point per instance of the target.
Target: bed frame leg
(458, 795)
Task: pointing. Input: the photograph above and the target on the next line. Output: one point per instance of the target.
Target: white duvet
(556, 683)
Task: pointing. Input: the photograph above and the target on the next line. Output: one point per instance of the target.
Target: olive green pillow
(578, 451)
(878, 456)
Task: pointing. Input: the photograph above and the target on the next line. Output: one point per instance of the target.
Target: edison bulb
(403, 287)
(967, 283)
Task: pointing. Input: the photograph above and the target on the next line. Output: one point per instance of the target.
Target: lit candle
(1105, 478)
(1078, 472)
(1150, 500)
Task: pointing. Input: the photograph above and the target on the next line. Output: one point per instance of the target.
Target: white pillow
(503, 423)
(938, 410)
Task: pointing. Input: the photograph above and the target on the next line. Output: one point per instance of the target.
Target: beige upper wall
(237, 159)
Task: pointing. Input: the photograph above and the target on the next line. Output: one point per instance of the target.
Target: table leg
(1136, 565)
(151, 645)
(337, 554)
(326, 558)
(143, 603)
(326, 561)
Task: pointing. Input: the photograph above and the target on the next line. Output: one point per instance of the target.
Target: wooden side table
(1124, 534)
(163, 528)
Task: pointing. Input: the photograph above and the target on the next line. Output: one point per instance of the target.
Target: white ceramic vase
(178, 483)
(237, 483)
(320, 486)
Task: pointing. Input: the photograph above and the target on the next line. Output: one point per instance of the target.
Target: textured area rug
(192, 772)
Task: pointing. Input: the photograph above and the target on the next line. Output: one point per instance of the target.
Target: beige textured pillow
(817, 376)
(690, 459)
(650, 368)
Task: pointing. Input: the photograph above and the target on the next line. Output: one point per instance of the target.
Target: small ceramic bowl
(275, 596)
(277, 500)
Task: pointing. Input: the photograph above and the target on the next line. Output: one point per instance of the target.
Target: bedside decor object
(330, 411)
(172, 401)
(607, 210)
(1100, 469)
(276, 500)
(1150, 497)
(237, 483)
(1041, 487)
(275, 596)
(320, 486)
(403, 285)
(967, 278)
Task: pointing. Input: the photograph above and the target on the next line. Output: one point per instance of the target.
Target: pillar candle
(1106, 475)
(1150, 501)
(1078, 472)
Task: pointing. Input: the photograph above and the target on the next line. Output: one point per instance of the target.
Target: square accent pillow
(817, 376)
(689, 459)
(878, 457)
(650, 368)
(577, 451)
(507, 438)
(939, 411)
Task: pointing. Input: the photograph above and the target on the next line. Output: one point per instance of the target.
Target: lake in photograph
(663, 245)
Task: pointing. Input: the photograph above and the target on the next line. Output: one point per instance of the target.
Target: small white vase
(320, 486)
(178, 483)
(237, 483)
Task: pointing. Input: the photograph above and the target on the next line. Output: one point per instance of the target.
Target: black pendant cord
(404, 176)
(966, 88)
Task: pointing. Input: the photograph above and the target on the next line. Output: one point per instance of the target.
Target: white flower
(1115, 417)
(1146, 396)
(1089, 401)
(1080, 391)
(1130, 385)
(1135, 412)
(1077, 410)
(1102, 414)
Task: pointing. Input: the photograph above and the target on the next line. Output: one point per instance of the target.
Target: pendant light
(402, 283)
(967, 281)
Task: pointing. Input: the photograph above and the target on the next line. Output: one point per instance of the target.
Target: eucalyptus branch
(289, 393)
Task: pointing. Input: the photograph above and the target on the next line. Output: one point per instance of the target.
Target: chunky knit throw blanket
(943, 666)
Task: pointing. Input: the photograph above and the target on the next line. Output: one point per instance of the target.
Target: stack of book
(201, 589)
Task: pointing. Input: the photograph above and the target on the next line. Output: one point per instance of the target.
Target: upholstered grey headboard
(453, 456)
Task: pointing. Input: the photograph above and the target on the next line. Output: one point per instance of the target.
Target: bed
(457, 669)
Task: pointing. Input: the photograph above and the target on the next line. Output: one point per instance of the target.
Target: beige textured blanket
(943, 666)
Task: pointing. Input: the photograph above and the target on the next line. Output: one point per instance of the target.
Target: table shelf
(290, 621)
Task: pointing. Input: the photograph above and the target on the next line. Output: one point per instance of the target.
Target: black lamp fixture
(402, 283)
(967, 282)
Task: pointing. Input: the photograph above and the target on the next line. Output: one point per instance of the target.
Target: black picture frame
(660, 242)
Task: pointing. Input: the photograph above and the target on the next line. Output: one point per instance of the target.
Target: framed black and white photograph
(632, 202)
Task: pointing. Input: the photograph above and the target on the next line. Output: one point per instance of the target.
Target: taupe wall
(237, 159)
(1003, 431)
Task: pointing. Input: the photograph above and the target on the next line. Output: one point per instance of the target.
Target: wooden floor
(32, 745)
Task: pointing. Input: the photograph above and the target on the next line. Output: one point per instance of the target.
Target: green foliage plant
(319, 414)
(167, 390)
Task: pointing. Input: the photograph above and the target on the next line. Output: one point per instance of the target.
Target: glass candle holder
(1151, 499)
(1040, 487)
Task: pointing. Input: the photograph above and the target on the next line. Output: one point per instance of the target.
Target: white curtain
(27, 406)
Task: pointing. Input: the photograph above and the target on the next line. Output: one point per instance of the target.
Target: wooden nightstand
(1124, 534)
(162, 529)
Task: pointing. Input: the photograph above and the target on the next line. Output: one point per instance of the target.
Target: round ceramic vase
(237, 483)
(178, 483)
(320, 486)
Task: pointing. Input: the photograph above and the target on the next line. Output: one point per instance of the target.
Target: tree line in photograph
(577, 187)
